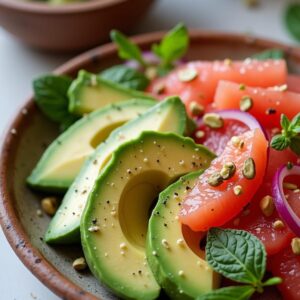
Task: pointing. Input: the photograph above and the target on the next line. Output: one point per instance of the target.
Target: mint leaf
(280, 142)
(126, 48)
(173, 45)
(295, 123)
(126, 76)
(295, 145)
(269, 54)
(50, 95)
(229, 293)
(292, 20)
(237, 255)
(284, 122)
(272, 281)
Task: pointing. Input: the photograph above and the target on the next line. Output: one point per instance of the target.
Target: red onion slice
(283, 207)
(237, 115)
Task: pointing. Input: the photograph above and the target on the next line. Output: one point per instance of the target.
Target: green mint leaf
(272, 281)
(270, 54)
(50, 95)
(284, 122)
(292, 20)
(126, 48)
(280, 142)
(237, 255)
(173, 45)
(229, 293)
(295, 123)
(126, 76)
(295, 145)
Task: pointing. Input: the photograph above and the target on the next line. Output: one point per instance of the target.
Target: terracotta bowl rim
(70, 8)
(13, 230)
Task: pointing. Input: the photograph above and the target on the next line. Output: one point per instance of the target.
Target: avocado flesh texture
(166, 116)
(198, 277)
(121, 202)
(62, 160)
(89, 92)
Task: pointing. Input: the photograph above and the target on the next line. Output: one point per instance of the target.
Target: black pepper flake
(157, 161)
(140, 272)
(187, 188)
(179, 204)
(95, 162)
(165, 224)
(107, 202)
(271, 111)
(176, 194)
(94, 221)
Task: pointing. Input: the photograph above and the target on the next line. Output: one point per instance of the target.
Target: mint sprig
(289, 136)
(173, 45)
(126, 48)
(171, 48)
(292, 20)
(50, 95)
(239, 256)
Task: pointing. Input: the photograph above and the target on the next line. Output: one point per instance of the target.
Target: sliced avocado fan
(114, 222)
(166, 116)
(62, 160)
(89, 92)
(180, 269)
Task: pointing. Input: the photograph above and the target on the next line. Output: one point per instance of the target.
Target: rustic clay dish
(29, 134)
(69, 27)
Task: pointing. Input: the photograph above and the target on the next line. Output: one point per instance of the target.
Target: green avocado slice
(62, 160)
(180, 269)
(166, 116)
(89, 92)
(121, 202)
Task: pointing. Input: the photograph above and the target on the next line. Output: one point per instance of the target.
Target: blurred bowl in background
(69, 27)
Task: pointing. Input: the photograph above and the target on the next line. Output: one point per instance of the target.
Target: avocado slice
(181, 269)
(89, 92)
(62, 160)
(166, 116)
(120, 203)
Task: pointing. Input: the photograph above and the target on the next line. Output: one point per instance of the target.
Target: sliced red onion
(243, 117)
(150, 58)
(283, 207)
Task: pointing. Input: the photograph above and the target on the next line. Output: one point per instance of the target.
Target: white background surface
(19, 65)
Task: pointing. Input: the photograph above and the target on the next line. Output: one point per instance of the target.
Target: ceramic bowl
(69, 27)
(30, 132)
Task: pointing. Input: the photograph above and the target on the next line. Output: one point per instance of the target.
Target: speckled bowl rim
(70, 8)
(13, 230)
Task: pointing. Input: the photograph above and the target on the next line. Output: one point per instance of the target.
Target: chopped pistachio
(238, 190)
(295, 244)
(267, 206)
(227, 62)
(215, 179)
(246, 103)
(79, 264)
(249, 170)
(151, 72)
(228, 170)
(289, 186)
(242, 87)
(213, 120)
(196, 108)
(186, 75)
(49, 205)
(278, 224)
(199, 134)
